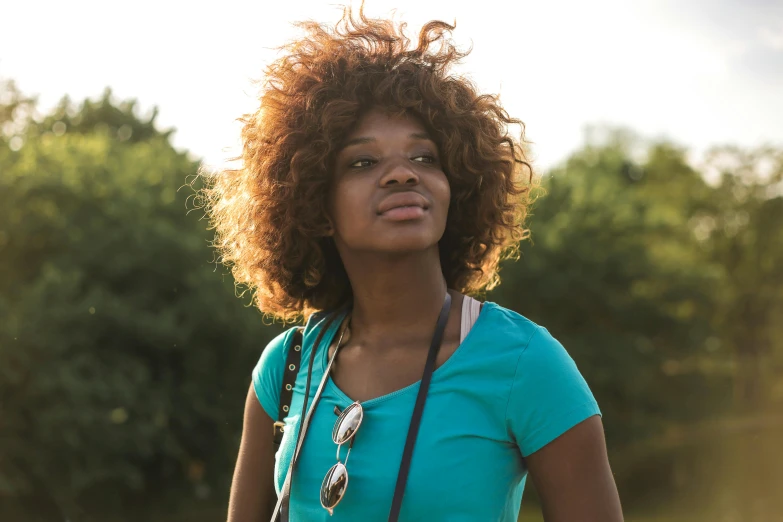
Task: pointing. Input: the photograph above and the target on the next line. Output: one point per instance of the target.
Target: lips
(402, 200)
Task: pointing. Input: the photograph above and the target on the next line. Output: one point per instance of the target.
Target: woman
(377, 194)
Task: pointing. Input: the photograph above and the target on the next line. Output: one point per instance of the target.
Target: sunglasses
(336, 480)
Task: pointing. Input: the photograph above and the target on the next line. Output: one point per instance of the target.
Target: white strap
(470, 312)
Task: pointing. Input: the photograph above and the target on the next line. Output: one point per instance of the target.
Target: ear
(329, 227)
(327, 212)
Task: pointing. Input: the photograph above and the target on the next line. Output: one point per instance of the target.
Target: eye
(362, 163)
(425, 158)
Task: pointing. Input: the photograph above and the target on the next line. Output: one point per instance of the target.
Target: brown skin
(394, 268)
(573, 478)
(253, 495)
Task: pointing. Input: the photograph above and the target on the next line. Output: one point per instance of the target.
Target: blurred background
(656, 253)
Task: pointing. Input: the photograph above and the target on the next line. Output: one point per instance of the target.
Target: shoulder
(277, 348)
(268, 373)
(501, 338)
(316, 323)
(537, 349)
(509, 329)
(548, 395)
(530, 343)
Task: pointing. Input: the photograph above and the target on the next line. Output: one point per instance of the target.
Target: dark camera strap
(418, 410)
(292, 363)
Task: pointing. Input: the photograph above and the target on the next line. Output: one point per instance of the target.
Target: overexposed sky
(697, 72)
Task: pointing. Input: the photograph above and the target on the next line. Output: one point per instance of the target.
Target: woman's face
(389, 193)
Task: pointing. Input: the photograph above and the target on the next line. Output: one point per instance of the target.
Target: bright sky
(697, 72)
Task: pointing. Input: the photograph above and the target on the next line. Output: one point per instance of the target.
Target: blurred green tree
(124, 357)
(664, 288)
(614, 270)
(743, 232)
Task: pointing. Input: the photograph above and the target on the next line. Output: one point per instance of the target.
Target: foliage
(615, 272)
(743, 230)
(124, 356)
(664, 289)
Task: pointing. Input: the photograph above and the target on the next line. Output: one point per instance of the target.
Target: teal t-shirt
(508, 390)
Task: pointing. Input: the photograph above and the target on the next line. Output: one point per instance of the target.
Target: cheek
(346, 205)
(442, 193)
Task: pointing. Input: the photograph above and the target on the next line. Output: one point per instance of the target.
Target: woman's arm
(573, 477)
(253, 495)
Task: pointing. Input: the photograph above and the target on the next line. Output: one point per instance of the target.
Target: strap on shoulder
(418, 410)
(292, 363)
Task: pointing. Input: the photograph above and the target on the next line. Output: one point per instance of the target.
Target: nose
(399, 173)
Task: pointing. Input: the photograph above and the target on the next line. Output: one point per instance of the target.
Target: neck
(395, 295)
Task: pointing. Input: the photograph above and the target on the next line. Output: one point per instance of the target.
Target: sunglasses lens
(333, 486)
(348, 423)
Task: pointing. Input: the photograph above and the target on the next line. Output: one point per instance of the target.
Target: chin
(404, 243)
(390, 240)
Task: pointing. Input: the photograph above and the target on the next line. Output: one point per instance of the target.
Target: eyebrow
(368, 139)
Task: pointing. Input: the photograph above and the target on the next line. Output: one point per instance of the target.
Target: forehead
(378, 121)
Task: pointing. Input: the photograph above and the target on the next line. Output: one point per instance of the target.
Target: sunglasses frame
(347, 415)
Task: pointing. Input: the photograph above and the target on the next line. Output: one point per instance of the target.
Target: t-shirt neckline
(323, 360)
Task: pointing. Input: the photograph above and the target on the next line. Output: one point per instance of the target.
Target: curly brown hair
(270, 216)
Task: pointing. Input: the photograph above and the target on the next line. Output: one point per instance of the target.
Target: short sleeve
(268, 373)
(548, 394)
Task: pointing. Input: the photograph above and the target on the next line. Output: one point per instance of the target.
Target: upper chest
(364, 374)
(462, 442)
